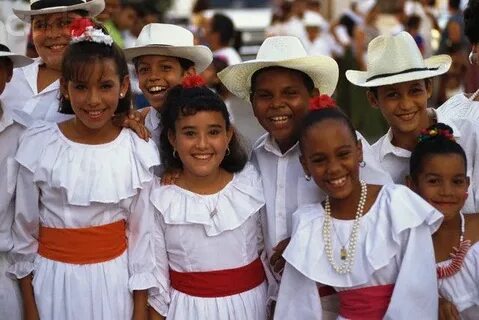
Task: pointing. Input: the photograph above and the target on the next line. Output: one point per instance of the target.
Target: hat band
(43, 4)
(384, 75)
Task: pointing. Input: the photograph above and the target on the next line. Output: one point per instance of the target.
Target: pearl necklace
(457, 255)
(347, 255)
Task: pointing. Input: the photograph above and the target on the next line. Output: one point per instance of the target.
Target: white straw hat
(170, 40)
(38, 7)
(396, 59)
(17, 59)
(286, 52)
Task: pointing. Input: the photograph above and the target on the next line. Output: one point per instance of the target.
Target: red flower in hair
(78, 26)
(193, 81)
(321, 102)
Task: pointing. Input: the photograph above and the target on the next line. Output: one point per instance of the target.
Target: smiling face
(51, 36)
(94, 98)
(280, 100)
(404, 105)
(443, 186)
(201, 141)
(157, 74)
(331, 156)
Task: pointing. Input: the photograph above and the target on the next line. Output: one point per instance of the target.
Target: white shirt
(395, 160)
(22, 94)
(230, 54)
(393, 246)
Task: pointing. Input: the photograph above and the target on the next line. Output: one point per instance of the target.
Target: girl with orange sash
(370, 243)
(80, 251)
(438, 174)
(208, 237)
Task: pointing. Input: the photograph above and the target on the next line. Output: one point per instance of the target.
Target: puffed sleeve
(26, 225)
(298, 297)
(160, 299)
(141, 260)
(415, 294)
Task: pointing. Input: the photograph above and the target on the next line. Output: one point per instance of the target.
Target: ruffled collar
(105, 173)
(235, 203)
(396, 209)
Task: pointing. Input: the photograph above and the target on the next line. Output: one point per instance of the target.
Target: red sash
(220, 283)
(370, 303)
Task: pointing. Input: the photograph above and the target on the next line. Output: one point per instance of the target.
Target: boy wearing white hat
(163, 55)
(280, 83)
(399, 83)
(11, 127)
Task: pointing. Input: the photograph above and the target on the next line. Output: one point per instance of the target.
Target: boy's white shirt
(395, 160)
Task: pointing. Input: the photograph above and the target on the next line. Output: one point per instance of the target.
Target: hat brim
(17, 59)
(438, 65)
(322, 70)
(201, 56)
(94, 8)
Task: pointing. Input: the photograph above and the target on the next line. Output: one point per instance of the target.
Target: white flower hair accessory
(83, 29)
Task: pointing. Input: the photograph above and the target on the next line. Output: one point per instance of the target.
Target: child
(370, 242)
(163, 56)
(79, 251)
(438, 174)
(401, 90)
(208, 235)
(280, 84)
(11, 127)
(35, 88)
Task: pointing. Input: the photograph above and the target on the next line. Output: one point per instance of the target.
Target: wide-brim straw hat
(39, 7)
(17, 59)
(170, 40)
(286, 52)
(396, 59)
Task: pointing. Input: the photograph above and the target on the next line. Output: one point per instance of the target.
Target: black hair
(455, 4)
(413, 22)
(79, 56)
(181, 102)
(224, 26)
(307, 81)
(471, 21)
(317, 116)
(6, 60)
(185, 64)
(438, 144)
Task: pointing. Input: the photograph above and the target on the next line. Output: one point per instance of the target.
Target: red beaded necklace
(457, 255)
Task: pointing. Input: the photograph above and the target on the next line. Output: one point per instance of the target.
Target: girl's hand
(170, 177)
(29, 306)
(140, 305)
(153, 315)
(277, 261)
(134, 120)
(447, 310)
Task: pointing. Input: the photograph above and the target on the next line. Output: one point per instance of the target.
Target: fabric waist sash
(370, 303)
(83, 245)
(220, 283)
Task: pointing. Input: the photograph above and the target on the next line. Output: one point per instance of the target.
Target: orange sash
(83, 245)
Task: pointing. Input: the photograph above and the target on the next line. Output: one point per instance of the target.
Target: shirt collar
(31, 76)
(153, 119)
(270, 145)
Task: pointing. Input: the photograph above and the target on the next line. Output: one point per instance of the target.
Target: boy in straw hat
(11, 127)
(35, 88)
(279, 83)
(399, 84)
(163, 55)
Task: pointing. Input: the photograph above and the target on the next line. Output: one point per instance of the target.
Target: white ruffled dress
(394, 246)
(188, 239)
(460, 107)
(462, 289)
(64, 184)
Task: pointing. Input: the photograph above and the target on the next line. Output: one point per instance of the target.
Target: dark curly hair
(471, 21)
(78, 59)
(438, 144)
(183, 102)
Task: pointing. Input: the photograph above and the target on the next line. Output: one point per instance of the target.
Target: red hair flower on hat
(193, 81)
(321, 102)
(79, 26)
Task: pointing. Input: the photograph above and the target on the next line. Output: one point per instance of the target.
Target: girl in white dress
(438, 174)
(208, 238)
(371, 243)
(80, 251)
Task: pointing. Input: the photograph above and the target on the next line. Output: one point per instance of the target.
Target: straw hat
(17, 59)
(395, 59)
(286, 52)
(38, 7)
(170, 40)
